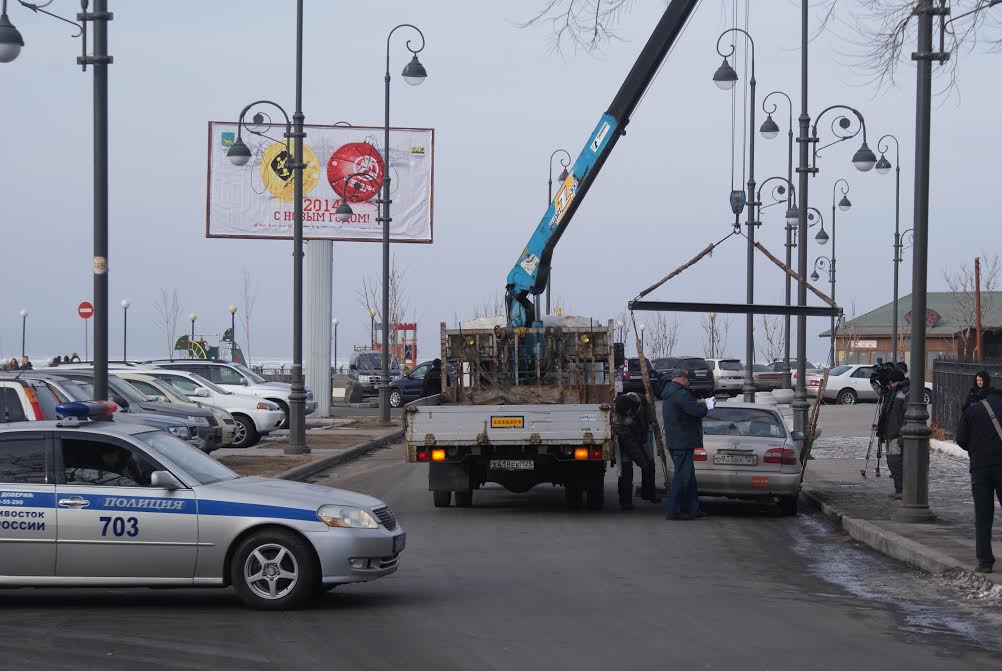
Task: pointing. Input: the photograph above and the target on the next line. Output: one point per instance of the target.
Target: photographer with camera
(899, 389)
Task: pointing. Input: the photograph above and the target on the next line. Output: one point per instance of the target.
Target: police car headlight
(347, 517)
(199, 421)
(180, 431)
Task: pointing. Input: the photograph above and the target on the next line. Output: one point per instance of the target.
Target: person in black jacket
(432, 383)
(982, 387)
(683, 418)
(893, 422)
(980, 434)
(632, 425)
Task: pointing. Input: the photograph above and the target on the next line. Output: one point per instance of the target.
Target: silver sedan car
(748, 453)
(86, 504)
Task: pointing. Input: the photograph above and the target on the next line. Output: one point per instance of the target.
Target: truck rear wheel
(464, 499)
(443, 499)
(596, 496)
(572, 496)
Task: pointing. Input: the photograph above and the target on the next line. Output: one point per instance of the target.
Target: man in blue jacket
(683, 419)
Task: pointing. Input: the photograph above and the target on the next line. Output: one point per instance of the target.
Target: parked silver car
(850, 383)
(728, 375)
(748, 453)
(85, 504)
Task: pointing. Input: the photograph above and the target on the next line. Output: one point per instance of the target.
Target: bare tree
(624, 325)
(662, 335)
(962, 288)
(248, 297)
(878, 32)
(715, 329)
(771, 344)
(168, 309)
(582, 24)
(370, 297)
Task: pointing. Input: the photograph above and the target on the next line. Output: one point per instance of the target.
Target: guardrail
(952, 381)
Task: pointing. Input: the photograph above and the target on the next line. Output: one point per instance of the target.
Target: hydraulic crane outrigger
(531, 273)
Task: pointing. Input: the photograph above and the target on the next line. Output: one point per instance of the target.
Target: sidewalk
(865, 510)
(331, 441)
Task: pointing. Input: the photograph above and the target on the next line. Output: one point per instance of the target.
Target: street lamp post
(334, 323)
(24, 329)
(822, 237)
(725, 77)
(643, 327)
(883, 167)
(414, 74)
(240, 154)
(232, 309)
(11, 42)
(863, 160)
(770, 130)
(191, 343)
(788, 190)
(549, 199)
(125, 329)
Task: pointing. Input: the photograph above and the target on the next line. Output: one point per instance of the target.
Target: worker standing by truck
(633, 425)
(683, 417)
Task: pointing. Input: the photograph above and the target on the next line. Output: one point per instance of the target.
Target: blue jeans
(683, 496)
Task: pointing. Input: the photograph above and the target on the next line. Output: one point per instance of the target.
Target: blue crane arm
(531, 272)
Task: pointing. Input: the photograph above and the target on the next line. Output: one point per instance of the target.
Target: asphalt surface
(518, 582)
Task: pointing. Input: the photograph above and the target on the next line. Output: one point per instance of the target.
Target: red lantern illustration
(362, 165)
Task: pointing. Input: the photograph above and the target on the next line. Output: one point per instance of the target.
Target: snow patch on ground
(948, 448)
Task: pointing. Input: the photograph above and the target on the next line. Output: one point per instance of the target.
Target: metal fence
(284, 373)
(952, 381)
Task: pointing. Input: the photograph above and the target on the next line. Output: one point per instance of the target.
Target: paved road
(517, 582)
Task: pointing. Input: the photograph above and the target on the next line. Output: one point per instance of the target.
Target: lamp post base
(384, 404)
(914, 514)
(297, 419)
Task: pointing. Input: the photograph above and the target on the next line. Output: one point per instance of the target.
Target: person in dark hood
(432, 383)
(632, 425)
(683, 419)
(982, 387)
(893, 423)
(980, 434)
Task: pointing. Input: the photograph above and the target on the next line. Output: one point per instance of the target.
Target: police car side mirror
(164, 480)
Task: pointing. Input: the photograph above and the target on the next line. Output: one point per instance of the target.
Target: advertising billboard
(343, 163)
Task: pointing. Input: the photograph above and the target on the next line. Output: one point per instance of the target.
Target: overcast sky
(500, 102)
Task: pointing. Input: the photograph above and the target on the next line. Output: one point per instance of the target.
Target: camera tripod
(873, 434)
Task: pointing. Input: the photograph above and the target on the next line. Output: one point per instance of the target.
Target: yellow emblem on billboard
(507, 422)
(276, 170)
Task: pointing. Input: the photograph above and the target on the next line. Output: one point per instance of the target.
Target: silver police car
(86, 504)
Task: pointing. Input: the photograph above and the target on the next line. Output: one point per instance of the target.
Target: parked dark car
(633, 379)
(700, 379)
(407, 388)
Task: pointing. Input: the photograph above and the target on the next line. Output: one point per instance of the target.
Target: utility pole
(800, 403)
(915, 433)
(979, 352)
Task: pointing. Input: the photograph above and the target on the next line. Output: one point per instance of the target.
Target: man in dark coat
(432, 383)
(632, 426)
(683, 419)
(893, 422)
(981, 435)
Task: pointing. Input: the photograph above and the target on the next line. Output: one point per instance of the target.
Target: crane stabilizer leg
(531, 272)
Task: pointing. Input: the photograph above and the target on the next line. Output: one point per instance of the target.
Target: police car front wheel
(274, 570)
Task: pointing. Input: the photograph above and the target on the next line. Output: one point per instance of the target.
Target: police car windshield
(202, 469)
(249, 373)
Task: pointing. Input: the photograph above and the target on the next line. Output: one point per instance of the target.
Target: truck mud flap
(448, 477)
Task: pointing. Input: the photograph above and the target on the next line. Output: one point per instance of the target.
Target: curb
(895, 545)
(303, 471)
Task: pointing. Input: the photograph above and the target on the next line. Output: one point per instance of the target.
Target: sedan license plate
(512, 464)
(736, 459)
(399, 543)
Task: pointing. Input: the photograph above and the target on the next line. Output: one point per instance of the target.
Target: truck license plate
(736, 459)
(512, 464)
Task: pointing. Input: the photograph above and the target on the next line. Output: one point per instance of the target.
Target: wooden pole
(978, 343)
